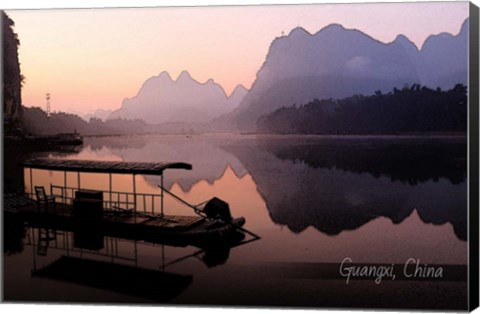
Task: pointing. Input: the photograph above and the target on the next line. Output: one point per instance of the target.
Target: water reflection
(93, 260)
(313, 200)
(331, 183)
(203, 152)
(337, 185)
(14, 234)
(406, 159)
(150, 284)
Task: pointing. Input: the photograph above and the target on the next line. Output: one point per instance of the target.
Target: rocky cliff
(337, 62)
(164, 100)
(12, 78)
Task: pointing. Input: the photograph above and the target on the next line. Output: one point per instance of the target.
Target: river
(313, 200)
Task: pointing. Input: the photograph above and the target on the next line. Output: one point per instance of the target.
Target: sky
(90, 59)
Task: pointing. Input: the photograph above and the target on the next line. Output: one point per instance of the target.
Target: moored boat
(123, 214)
(59, 139)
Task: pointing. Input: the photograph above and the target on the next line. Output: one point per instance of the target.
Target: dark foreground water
(315, 201)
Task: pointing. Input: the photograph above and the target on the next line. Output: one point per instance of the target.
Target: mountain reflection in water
(331, 183)
(341, 184)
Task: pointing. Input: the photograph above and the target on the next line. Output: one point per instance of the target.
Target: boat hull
(202, 233)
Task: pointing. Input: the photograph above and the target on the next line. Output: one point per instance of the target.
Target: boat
(130, 215)
(59, 139)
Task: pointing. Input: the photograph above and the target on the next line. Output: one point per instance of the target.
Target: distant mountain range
(164, 100)
(337, 62)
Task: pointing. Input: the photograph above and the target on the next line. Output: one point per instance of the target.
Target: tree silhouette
(410, 109)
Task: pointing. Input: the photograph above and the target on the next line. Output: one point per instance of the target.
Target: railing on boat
(114, 200)
(110, 168)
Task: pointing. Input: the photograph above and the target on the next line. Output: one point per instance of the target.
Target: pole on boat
(134, 195)
(65, 187)
(197, 211)
(31, 183)
(176, 197)
(161, 194)
(78, 179)
(110, 188)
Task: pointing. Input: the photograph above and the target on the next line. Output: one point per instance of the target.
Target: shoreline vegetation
(406, 135)
(439, 135)
(412, 111)
(21, 141)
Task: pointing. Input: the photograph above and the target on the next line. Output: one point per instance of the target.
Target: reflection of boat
(129, 280)
(124, 214)
(88, 258)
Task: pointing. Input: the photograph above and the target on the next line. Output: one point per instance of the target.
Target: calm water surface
(313, 200)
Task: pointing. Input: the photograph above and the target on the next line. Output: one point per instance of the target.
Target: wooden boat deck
(66, 211)
(174, 221)
(171, 229)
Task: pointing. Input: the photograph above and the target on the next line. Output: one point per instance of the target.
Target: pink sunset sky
(90, 59)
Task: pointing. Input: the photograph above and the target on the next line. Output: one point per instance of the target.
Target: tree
(412, 109)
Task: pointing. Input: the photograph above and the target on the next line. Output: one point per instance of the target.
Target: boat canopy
(99, 166)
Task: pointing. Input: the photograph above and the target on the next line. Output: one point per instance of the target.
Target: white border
(45, 4)
(62, 309)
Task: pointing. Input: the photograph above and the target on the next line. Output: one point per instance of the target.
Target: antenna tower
(48, 104)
